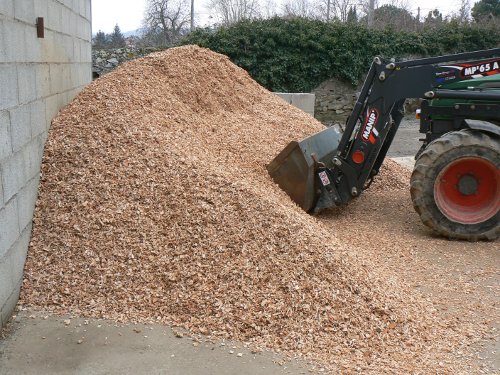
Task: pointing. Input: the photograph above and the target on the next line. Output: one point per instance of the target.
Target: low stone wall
(105, 60)
(335, 100)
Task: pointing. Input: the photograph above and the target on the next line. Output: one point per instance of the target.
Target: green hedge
(295, 55)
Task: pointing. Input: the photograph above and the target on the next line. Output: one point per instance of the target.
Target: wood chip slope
(155, 205)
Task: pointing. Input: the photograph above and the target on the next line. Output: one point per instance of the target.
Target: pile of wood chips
(155, 205)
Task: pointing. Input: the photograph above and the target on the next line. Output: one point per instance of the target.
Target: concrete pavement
(39, 344)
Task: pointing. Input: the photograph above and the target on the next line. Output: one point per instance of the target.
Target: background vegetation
(307, 41)
(295, 55)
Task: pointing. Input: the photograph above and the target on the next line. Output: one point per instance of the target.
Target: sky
(128, 14)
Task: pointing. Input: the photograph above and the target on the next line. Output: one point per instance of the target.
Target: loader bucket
(294, 167)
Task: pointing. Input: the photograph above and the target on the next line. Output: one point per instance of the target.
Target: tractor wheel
(455, 186)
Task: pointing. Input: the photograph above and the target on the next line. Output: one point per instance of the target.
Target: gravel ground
(461, 279)
(406, 142)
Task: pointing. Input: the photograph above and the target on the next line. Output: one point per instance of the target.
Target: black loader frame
(460, 122)
(344, 174)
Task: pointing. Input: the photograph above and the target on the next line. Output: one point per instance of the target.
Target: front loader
(455, 185)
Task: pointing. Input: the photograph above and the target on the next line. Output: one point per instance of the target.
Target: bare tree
(300, 8)
(336, 9)
(269, 9)
(231, 11)
(463, 14)
(363, 7)
(164, 20)
(371, 12)
(191, 20)
(403, 4)
(341, 8)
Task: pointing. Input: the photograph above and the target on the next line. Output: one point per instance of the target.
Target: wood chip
(155, 205)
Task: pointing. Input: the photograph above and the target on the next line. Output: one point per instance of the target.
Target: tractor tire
(455, 186)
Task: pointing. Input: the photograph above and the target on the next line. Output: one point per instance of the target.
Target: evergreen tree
(100, 40)
(486, 10)
(352, 15)
(117, 40)
(392, 16)
(434, 18)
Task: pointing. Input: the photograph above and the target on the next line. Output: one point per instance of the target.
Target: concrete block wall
(302, 101)
(37, 78)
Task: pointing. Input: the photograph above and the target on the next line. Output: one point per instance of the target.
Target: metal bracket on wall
(40, 29)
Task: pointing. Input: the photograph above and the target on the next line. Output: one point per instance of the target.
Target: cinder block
(87, 9)
(8, 86)
(66, 48)
(54, 15)
(20, 126)
(81, 71)
(69, 48)
(50, 47)
(74, 75)
(6, 286)
(77, 50)
(88, 31)
(65, 21)
(7, 8)
(13, 175)
(72, 94)
(25, 10)
(75, 19)
(57, 52)
(38, 118)
(8, 307)
(76, 6)
(67, 3)
(59, 76)
(56, 79)
(52, 106)
(42, 74)
(2, 203)
(86, 53)
(9, 227)
(5, 142)
(17, 256)
(3, 50)
(41, 9)
(26, 205)
(87, 73)
(80, 30)
(33, 45)
(32, 158)
(80, 75)
(81, 8)
(67, 79)
(26, 80)
(14, 40)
